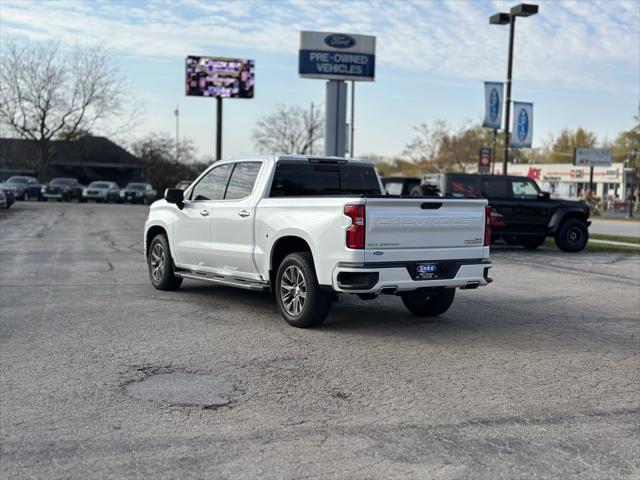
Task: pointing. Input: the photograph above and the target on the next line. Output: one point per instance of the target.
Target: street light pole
(512, 27)
(522, 10)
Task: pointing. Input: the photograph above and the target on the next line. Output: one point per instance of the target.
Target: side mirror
(174, 195)
(544, 195)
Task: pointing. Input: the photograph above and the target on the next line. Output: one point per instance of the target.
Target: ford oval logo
(494, 104)
(378, 252)
(523, 125)
(339, 40)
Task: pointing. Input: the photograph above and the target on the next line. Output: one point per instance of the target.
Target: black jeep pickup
(522, 214)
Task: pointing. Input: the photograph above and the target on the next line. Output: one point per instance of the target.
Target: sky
(577, 61)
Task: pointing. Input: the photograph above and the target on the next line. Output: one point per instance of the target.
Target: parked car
(9, 195)
(138, 193)
(184, 184)
(3, 199)
(101, 191)
(62, 189)
(310, 228)
(24, 187)
(522, 213)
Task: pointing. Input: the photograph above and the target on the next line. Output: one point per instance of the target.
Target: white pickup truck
(309, 228)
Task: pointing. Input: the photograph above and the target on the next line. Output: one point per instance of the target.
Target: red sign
(484, 164)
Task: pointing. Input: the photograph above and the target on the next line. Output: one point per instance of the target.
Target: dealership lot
(537, 375)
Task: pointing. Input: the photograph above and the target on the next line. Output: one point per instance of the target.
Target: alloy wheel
(157, 262)
(293, 290)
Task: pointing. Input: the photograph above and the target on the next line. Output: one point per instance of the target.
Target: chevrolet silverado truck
(310, 228)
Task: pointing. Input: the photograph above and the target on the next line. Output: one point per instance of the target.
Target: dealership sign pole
(219, 77)
(336, 57)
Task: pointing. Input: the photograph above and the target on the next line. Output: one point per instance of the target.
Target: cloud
(570, 44)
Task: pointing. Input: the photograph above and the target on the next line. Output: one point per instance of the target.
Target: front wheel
(301, 301)
(161, 271)
(572, 235)
(423, 304)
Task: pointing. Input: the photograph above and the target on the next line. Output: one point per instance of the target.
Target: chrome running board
(220, 280)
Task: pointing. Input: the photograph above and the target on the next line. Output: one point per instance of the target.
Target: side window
(524, 189)
(462, 187)
(242, 180)
(213, 184)
(496, 188)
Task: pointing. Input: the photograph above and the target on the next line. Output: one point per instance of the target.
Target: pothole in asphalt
(183, 388)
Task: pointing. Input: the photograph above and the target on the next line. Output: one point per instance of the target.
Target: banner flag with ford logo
(522, 128)
(337, 56)
(493, 105)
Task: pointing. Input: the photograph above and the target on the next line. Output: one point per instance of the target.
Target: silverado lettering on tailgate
(394, 222)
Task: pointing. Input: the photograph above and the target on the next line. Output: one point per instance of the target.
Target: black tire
(531, 243)
(572, 235)
(161, 270)
(416, 191)
(422, 304)
(305, 304)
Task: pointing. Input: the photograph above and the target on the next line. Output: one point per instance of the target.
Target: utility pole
(311, 131)
(177, 114)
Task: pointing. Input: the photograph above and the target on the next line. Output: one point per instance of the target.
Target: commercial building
(568, 181)
(88, 158)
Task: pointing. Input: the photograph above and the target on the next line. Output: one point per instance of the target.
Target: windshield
(136, 186)
(17, 180)
(63, 181)
(99, 185)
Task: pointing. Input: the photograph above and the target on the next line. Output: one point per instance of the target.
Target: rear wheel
(301, 301)
(572, 235)
(161, 271)
(531, 243)
(424, 304)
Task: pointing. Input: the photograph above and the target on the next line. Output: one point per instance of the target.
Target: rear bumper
(53, 195)
(396, 277)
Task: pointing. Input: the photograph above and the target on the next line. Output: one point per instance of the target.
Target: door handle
(205, 213)
(244, 213)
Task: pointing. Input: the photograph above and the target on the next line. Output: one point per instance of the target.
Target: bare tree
(157, 150)
(290, 129)
(47, 93)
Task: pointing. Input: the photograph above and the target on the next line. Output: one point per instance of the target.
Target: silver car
(138, 193)
(101, 191)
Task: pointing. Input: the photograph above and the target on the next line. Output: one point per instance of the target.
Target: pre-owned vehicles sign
(337, 56)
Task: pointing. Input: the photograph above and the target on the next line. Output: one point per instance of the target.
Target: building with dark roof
(87, 159)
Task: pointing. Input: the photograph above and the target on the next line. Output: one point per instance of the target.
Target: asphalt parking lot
(536, 376)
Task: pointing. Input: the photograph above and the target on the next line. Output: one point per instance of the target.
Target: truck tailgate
(401, 229)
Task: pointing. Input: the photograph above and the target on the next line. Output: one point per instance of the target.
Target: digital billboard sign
(220, 77)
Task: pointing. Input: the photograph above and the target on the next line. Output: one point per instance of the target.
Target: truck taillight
(487, 225)
(355, 232)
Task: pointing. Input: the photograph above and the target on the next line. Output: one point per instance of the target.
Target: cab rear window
(296, 179)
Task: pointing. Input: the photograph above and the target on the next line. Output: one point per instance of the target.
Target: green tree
(561, 148)
(626, 141)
